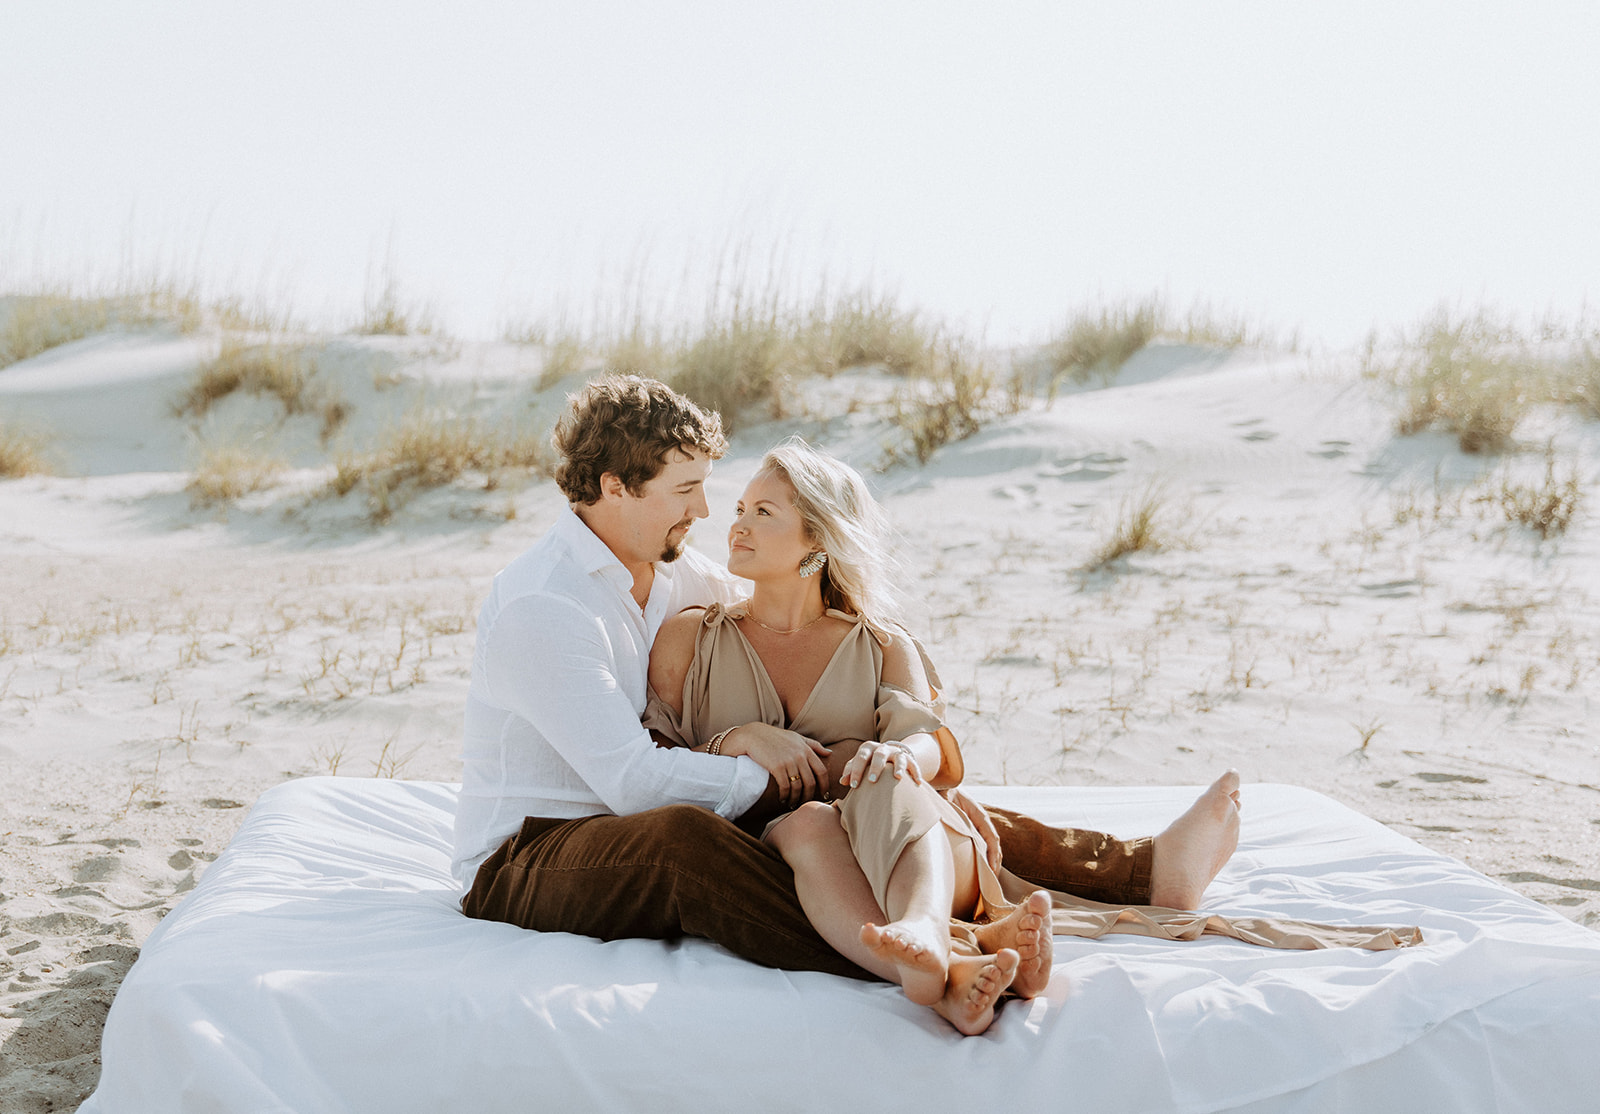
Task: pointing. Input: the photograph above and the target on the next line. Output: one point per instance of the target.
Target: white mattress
(322, 964)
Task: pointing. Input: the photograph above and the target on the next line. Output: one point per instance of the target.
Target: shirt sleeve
(545, 659)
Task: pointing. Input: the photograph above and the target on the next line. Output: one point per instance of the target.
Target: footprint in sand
(1436, 778)
(1390, 589)
(220, 802)
(96, 868)
(1095, 466)
(1332, 450)
(1259, 435)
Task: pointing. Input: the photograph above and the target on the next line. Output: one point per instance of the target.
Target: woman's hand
(798, 764)
(873, 758)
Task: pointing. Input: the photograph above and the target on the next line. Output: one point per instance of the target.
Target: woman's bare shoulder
(672, 652)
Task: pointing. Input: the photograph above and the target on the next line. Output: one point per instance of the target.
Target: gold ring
(793, 778)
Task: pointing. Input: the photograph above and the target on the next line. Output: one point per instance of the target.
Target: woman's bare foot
(975, 985)
(1026, 930)
(919, 950)
(1198, 844)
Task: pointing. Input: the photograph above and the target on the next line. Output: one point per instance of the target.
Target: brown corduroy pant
(684, 871)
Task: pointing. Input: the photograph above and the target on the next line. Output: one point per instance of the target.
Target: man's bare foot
(1198, 844)
(975, 985)
(919, 950)
(1026, 930)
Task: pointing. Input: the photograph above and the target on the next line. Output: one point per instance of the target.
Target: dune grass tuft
(1581, 390)
(1095, 343)
(224, 473)
(386, 312)
(1471, 375)
(949, 406)
(22, 452)
(284, 371)
(1545, 506)
(1478, 375)
(38, 323)
(861, 328)
(1142, 525)
(430, 449)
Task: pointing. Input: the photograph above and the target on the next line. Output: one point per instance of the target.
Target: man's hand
(797, 764)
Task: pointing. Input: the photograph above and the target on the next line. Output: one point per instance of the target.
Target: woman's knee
(813, 825)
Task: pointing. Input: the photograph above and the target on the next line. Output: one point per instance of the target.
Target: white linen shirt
(559, 679)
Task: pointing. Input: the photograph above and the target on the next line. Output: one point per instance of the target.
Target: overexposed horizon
(1328, 168)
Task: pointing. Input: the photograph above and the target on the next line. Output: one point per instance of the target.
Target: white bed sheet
(322, 964)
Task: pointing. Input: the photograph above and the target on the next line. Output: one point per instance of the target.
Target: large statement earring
(813, 563)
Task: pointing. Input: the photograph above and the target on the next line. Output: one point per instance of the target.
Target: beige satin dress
(727, 685)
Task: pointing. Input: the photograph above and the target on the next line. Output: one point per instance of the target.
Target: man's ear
(611, 486)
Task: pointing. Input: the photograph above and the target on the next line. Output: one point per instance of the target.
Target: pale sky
(1332, 166)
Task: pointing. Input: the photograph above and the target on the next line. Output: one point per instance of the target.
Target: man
(572, 819)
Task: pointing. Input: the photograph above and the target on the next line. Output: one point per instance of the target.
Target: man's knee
(688, 835)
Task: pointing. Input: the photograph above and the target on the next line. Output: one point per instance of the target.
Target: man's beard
(672, 550)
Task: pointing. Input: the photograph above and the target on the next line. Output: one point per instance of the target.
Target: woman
(815, 649)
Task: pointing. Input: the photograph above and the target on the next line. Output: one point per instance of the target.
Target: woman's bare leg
(832, 890)
(838, 899)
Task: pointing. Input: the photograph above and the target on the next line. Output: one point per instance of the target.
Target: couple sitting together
(658, 747)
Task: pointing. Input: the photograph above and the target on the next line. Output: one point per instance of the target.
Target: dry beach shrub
(748, 347)
(22, 452)
(1478, 376)
(429, 449)
(1097, 342)
(1546, 506)
(224, 473)
(861, 328)
(950, 405)
(284, 371)
(386, 312)
(35, 322)
(1143, 524)
(1581, 389)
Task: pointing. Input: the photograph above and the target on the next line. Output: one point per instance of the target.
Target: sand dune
(1333, 606)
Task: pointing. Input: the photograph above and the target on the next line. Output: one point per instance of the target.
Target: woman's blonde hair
(843, 519)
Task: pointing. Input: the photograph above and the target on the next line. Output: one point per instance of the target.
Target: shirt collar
(595, 556)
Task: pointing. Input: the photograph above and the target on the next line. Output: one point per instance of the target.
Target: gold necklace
(796, 630)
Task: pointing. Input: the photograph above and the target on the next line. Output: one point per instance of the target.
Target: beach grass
(37, 320)
(285, 371)
(752, 341)
(430, 448)
(1142, 525)
(225, 472)
(1548, 505)
(1478, 375)
(386, 310)
(23, 452)
(949, 405)
(1095, 342)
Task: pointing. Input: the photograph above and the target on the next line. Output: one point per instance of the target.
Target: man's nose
(700, 508)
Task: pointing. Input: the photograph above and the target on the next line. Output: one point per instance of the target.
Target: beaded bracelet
(715, 745)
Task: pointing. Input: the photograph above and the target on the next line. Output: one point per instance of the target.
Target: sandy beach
(1325, 603)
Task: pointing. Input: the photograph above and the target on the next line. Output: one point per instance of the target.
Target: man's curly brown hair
(628, 425)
